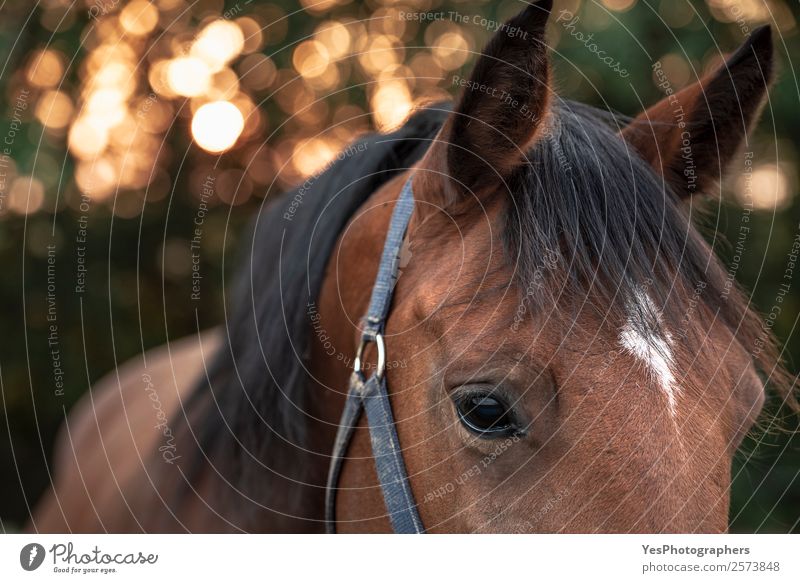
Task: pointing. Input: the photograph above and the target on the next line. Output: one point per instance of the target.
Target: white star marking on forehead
(641, 337)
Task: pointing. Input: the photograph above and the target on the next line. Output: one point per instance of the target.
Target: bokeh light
(45, 68)
(768, 188)
(54, 109)
(139, 17)
(619, 5)
(218, 44)
(87, 138)
(26, 195)
(216, 126)
(311, 58)
(189, 76)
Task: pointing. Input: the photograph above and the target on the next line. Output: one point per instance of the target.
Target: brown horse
(566, 353)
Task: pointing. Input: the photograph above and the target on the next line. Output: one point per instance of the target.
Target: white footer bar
(401, 559)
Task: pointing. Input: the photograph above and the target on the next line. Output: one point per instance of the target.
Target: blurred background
(137, 137)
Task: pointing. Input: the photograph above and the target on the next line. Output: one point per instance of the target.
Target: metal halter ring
(366, 341)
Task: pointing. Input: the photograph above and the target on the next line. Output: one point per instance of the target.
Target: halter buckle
(358, 363)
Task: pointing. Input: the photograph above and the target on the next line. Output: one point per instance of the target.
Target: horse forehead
(457, 266)
(645, 337)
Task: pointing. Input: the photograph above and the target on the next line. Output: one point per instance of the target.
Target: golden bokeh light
(224, 85)
(45, 69)
(138, 17)
(26, 195)
(733, 10)
(87, 139)
(311, 58)
(390, 21)
(677, 70)
(451, 50)
(335, 37)
(158, 78)
(118, 74)
(391, 104)
(318, 6)
(54, 109)
(619, 5)
(767, 188)
(188, 76)
(218, 43)
(106, 107)
(252, 33)
(112, 52)
(96, 178)
(379, 52)
(311, 156)
(124, 135)
(217, 125)
(253, 119)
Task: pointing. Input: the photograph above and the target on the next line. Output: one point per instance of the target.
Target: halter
(371, 395)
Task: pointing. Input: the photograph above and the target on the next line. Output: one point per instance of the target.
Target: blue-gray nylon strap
(371, 395)
(390, 259)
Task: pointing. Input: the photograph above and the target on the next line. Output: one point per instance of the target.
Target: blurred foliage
(124, 122)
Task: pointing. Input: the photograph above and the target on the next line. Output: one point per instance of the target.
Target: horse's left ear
(500, 109)
(691, 136)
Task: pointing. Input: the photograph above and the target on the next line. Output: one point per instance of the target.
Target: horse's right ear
(691, 136)
(501, 106)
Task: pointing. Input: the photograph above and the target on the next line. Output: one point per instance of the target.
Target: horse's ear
(690, 136)
(501, 106)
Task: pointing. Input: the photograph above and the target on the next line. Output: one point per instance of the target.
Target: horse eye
(485, 415)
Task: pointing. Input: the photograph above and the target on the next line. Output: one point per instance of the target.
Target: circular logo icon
(31, 556)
